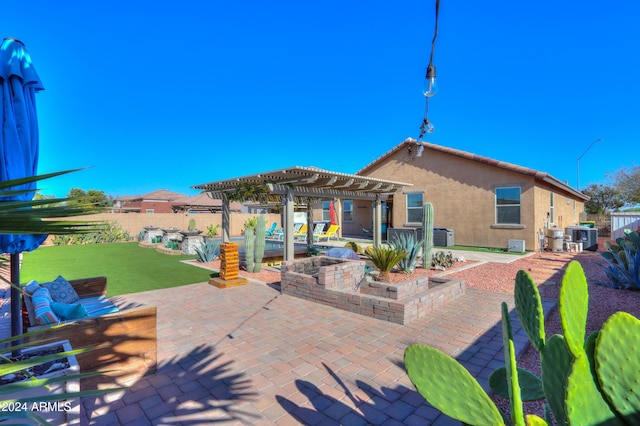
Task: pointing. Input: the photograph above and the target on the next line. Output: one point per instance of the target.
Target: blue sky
(166, 95)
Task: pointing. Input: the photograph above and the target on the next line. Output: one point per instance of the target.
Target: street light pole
(578, 160)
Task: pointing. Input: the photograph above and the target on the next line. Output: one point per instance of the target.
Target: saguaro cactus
(427, 234)
(249, 244)
(259, 244)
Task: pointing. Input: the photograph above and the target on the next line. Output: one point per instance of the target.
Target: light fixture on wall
(430, 85)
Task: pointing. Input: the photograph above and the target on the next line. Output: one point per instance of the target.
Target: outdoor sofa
(124, 337)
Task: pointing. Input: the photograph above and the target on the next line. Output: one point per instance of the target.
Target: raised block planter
(341, 283)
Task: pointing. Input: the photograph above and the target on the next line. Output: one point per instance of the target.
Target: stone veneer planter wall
(333, 282)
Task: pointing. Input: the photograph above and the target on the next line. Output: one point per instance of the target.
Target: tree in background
(93, 197)
(604, 198)
(627, 182)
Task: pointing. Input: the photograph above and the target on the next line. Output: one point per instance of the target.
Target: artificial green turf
(128, 267)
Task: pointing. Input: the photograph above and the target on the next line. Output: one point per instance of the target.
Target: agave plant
(385, 259)
(208, 251)
(623, 262)
(414, 249)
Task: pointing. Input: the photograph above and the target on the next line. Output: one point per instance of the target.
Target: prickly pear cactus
(573, 304)
(530, 384)
(556, 361)
(529, 307)
(260, 242)
(427, 234)
(449, 387)
(618, 364)
(249, 243)
(517, 418)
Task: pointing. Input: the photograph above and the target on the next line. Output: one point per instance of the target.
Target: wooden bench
(124, 341)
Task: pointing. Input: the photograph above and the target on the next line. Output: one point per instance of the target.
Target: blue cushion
(67, 311)
(96, 306)
(41, 300)
(62, 291)
(31, 286)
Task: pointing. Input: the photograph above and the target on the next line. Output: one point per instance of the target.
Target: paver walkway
(250, 355)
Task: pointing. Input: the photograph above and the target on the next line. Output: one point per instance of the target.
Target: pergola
(301, 185)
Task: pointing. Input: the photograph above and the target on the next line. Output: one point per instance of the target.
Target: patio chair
(301, 232)
(329, 233)
(269, 232)
(278, 234)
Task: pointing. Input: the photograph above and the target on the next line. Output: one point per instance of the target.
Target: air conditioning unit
(516, 246)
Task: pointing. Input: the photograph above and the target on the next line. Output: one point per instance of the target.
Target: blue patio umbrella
(19, 143)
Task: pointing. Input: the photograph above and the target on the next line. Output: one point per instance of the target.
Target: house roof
(203, 201)
(538, 175)
(159, 195)
(308, 182)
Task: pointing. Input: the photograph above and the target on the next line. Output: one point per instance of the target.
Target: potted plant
(191, 230)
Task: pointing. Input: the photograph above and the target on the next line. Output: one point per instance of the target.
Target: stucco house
(159, 201)
(485, 202)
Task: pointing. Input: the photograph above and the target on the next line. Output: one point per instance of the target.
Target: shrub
(111, 233)
(354, 246)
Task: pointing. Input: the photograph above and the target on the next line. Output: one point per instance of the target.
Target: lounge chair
(278, 234)
(301, 233)
(269, 232)
(329, 233)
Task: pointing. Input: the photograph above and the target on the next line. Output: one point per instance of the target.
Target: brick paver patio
(250, 355)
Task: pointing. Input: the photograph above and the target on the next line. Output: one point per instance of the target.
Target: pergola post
(309, 225)
(225, 219)
(289, 203)
(377, 221)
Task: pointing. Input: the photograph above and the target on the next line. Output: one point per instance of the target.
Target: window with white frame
(414, 207)
(326, 212)
(347, 210)
(508, 206)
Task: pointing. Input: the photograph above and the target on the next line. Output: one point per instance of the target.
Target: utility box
(443, 237)
(585, 235)
(516, 246)
(395, 233)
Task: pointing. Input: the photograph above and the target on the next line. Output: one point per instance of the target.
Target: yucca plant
(20, 217)
(414, 249)
(384, 259)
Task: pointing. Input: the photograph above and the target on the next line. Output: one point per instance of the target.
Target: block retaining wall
(333, 282)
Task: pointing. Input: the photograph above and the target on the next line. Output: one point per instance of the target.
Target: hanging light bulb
(426, 127)
(430, 87)
(429, 126)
